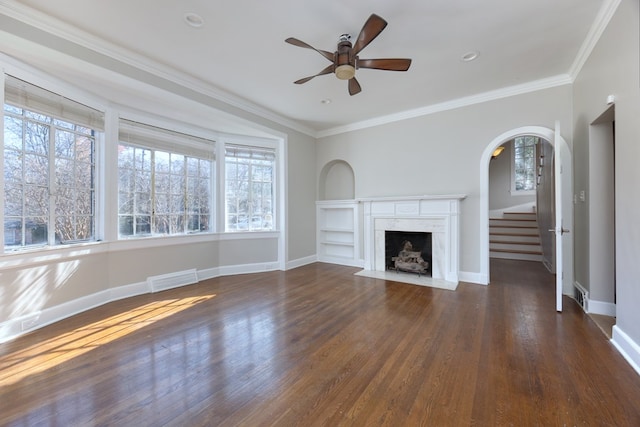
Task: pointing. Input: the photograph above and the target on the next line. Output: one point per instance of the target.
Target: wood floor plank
(318, 346)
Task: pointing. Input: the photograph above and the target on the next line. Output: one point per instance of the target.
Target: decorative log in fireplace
(408, 252)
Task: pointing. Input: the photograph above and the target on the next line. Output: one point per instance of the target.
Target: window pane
(177, 188)
(13, 200)
(36, 231)
(12, 166)
(249, 191)
(13, 133)
(125, 226)
(36, 200)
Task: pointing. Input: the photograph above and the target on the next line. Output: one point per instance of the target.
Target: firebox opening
(408, 251)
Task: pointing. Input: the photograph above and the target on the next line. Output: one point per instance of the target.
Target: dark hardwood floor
(320, 346)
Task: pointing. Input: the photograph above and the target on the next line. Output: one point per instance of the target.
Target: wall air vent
(172, 280)
(581, 295)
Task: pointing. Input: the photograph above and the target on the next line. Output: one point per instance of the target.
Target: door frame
(566, 178)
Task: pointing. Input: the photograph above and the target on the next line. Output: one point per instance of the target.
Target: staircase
(515, 236)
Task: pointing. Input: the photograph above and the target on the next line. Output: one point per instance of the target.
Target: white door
(560, 230)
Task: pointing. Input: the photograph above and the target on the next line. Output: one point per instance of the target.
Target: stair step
(514, 242)
(514, 237)
(518, 256)
(532, 219)
(521, 215)
(520, 247)
(531, 231)
(515, 251)
(502, 222)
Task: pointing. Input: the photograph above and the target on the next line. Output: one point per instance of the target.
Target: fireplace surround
(436, 214)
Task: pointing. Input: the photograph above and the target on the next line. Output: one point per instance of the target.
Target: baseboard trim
(16, 327)
(601, 307)
(477, 278)
(629, 349)
(301, 262)
(22, 325)
(342, 261)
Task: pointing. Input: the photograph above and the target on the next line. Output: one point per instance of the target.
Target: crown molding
(71, 34)
(551, 82)
(605, 14)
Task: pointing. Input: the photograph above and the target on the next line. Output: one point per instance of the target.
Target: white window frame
(39, 97)
(185, 142)
(277, 178)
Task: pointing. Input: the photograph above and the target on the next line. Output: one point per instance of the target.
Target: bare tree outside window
(162, 193)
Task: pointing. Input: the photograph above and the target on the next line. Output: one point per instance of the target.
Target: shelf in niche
(338, 239)
(337, 230)
(333, 243)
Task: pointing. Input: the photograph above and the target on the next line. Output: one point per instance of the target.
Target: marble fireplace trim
(435, 226)
(438, 215)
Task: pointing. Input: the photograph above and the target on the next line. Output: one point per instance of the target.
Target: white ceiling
(240, 49)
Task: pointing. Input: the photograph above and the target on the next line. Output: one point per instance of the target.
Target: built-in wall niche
(338, 235)
(337, 181)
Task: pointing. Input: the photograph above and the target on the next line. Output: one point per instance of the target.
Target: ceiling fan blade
(391, 64)
(371, 29)
(354, 86)
(327, 70)
(300, 43)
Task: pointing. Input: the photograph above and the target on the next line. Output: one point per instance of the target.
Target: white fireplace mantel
(437, 214)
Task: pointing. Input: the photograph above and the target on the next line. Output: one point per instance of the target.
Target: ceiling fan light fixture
(345, 71)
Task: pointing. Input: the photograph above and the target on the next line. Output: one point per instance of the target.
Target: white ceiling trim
(605, 14)
(37, 19)
(67, 32)
(493, 95)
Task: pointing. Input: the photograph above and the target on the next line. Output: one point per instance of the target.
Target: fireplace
(437, 216)
(408, 252)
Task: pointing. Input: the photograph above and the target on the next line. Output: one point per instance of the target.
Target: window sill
(48, 255)
(523, 192)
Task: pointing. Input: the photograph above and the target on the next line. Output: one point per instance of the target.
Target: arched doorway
(564, 192)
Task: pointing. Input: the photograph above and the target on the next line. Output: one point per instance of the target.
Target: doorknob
(562, 230)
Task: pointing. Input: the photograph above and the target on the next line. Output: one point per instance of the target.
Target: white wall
(440, 153)
(613, 69)
(500, 195)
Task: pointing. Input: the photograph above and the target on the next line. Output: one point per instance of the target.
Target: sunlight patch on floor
(60, 349)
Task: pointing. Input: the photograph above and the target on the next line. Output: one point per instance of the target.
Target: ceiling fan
(345, 60)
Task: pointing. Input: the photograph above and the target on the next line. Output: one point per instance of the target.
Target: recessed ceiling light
(326, 101)
(469, 56)
(193, 20)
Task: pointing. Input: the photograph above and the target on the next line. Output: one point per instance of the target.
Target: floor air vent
(172, 280)
(581, 295)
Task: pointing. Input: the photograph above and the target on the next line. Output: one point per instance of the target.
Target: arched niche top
(337, 181)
